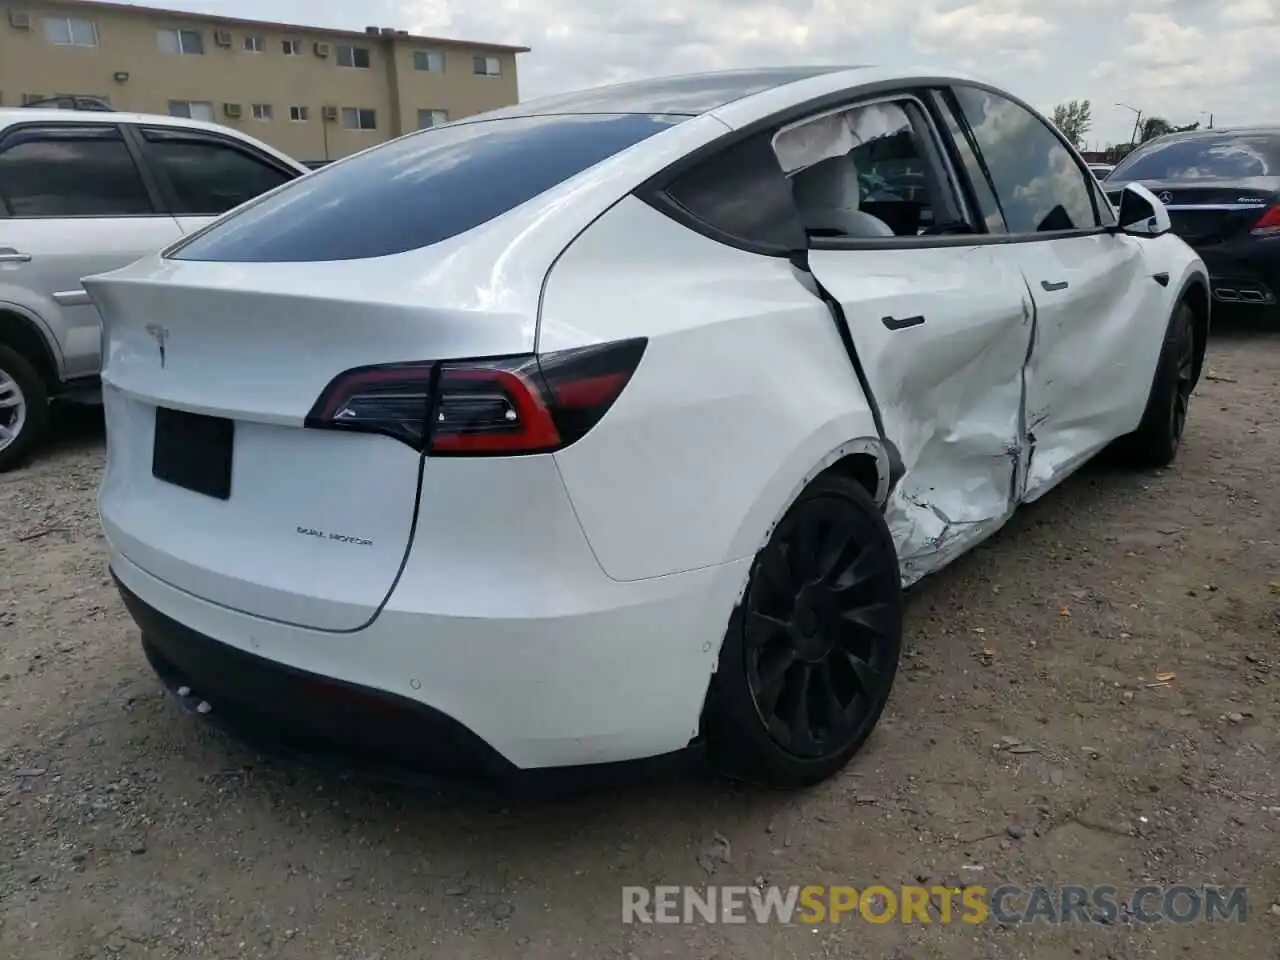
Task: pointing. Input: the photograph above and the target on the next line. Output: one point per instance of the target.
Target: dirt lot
(127, 828)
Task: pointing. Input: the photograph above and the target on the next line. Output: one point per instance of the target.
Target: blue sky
(1180, 59)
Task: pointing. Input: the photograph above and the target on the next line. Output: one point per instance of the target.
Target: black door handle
(1050, 286)
(892, 323)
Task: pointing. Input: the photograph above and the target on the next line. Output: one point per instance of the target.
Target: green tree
(1074, 118)
(1153, 127)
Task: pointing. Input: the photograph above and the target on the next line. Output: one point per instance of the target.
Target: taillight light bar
(1269, 225)
(497, 406)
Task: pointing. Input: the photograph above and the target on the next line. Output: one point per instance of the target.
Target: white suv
(82, 192)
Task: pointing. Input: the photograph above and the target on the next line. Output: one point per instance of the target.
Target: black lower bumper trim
(282, 710)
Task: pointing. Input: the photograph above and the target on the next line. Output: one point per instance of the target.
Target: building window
(290, 48)
(254, 44)
(431, 61)
(262, 111)
(359, 118)
(486, 66)
(349, 56)
(299, 114)
(432, 118)
(191, 109)
(181, 41)
(71, 32)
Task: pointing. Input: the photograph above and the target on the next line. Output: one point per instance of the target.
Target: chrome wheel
(13, 410)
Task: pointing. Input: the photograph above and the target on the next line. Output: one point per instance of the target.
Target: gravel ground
(1027, 737)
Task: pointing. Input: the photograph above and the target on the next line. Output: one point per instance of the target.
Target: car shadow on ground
(73, 427)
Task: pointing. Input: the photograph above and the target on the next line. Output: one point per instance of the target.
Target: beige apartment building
(316, 94)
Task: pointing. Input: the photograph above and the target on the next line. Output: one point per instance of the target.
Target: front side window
(71, 31)
(70, 172)
(866, 172)
(420, 189)
(208, 177)
(359, 118)
(349, 56)
(1039, 183)
(1227, 156)
(190, 42)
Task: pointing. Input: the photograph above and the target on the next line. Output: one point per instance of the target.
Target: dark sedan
(1222, 189)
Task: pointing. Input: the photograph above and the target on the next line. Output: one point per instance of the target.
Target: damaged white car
(613, 424)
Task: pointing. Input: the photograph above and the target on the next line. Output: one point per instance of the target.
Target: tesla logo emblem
(1166, 197)
(161, 335)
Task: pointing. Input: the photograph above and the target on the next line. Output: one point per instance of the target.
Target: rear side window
(1223, 157)
(420, 189)
(208, 177)
(65, 171)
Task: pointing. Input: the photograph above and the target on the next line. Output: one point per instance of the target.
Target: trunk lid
(315, 525)
(1208, 212)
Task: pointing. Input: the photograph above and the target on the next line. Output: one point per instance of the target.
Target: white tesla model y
(612, 424)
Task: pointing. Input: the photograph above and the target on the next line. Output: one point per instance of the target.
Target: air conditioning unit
(20, 19)
(330, 114)
(321, 49)
(232, 110)
(222, 38)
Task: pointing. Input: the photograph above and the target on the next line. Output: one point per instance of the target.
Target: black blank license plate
(194, 451)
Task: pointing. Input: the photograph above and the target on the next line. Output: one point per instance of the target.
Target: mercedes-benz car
(1222, 190)
(610, 426)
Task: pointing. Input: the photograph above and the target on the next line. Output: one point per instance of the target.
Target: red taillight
(1269, 225)
(501, 406)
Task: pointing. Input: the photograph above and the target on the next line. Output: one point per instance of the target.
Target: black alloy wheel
(812, 652)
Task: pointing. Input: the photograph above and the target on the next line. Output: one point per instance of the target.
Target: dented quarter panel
(949, 389)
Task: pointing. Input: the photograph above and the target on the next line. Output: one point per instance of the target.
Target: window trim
(97, 39)
(428, 52)
(269, 114)
(182, 51)
(359, 127)
(368, 52)
(293, 48)
(652, 190)
(145, 173)
(257, 38)
(170, 204)
(305, 111)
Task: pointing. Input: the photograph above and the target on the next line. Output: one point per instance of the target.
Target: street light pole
(1137, 121)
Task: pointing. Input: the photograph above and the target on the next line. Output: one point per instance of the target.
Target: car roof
(687, 95)
(10, 116)
(1270, 129)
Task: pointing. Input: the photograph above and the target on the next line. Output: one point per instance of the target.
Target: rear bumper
(497, 699)
(1245, 273)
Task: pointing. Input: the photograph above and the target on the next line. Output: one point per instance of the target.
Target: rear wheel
(1155, 442)
(24, 407)
(811, 653)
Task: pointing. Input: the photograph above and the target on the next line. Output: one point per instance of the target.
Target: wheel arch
(26, 334)
(1195, 294)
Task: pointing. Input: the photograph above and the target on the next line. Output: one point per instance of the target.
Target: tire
(24, 407)
(1155, 442)
(822, 613)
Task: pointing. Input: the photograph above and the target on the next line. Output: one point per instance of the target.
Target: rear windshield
(420, 189)
(1226, 157)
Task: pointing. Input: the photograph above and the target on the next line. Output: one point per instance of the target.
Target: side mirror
(1141, 213)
